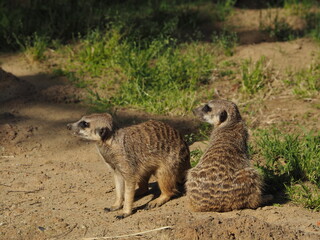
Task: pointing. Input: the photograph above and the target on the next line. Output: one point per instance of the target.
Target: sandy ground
(55, 186)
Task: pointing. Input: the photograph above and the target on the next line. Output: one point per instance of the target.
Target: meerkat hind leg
(167, 185)
(143, 185)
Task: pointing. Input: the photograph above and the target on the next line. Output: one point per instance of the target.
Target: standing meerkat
(223, 180)
(135, 153)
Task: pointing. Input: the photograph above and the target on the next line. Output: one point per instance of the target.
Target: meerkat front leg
(119, 186)
(129, 192)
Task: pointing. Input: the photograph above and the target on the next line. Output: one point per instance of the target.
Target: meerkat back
(155, 141)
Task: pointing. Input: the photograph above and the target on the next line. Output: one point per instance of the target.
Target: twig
(26, 191)
(130, 235)
(2, 184)
(65, 233)
(9, 156)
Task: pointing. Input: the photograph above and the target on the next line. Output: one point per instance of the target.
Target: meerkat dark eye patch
(223, 116)
(84, 124)
(103, 133)
(206, 108)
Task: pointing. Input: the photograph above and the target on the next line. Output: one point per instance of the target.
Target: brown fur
(135, 153)
(223, 180)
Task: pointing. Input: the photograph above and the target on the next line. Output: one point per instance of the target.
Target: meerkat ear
(223, 116)
(103, 133)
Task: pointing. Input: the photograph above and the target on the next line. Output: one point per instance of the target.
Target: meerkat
(223, 180)
(135, 153)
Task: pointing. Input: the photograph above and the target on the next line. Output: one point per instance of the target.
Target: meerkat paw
(122, 216)
(158, 202)
(152, 204)
(112, 208)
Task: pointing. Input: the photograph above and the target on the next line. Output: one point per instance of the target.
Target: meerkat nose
(69, 126)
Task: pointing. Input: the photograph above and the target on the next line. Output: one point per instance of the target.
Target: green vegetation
(34, 47)
(291, 163)
(277, 27)
(306, 82)
(195, 156)
(158, 76)
(225, 40)
(255, 75)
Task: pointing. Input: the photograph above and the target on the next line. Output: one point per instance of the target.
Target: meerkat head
(93, 127)
(218, 112)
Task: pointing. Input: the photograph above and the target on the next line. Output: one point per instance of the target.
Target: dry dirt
(55, 186)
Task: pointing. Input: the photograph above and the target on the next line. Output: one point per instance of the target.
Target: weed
(255, 75)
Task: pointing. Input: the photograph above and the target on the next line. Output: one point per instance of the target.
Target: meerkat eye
(206, 108)
(223, 116)
(84, 124)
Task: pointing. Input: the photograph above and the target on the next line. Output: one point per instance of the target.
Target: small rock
(41, 229)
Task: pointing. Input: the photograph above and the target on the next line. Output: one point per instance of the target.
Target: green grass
(291, 163)
(255, 75)
(34, 46)
(305, 194)
(159, 76)
(225, 40)
(313, 26)
(277, 27)
(195, 156)
(224, 9)
(306, 82)
(68, 20)
(299, 7)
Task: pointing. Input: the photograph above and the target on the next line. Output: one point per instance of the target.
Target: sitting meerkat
(223, 180)
(136, 152)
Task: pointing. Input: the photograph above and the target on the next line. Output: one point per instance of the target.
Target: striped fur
(223, 180)
(135, 153)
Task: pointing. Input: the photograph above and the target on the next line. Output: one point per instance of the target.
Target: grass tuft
(306, 82)
(255, 75)
(291, 163)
